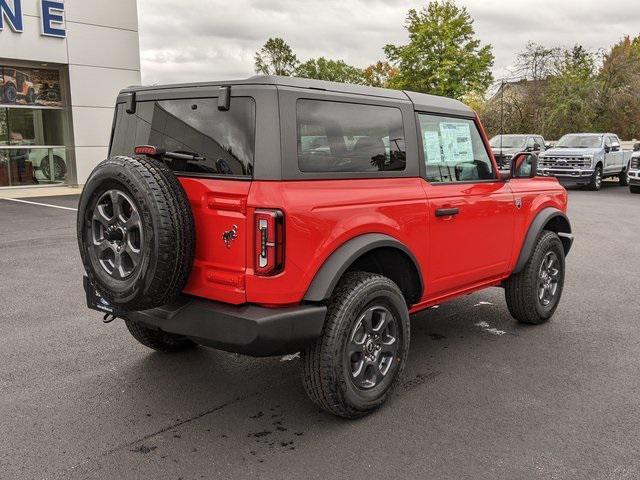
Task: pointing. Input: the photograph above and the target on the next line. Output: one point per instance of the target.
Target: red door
(471, 235)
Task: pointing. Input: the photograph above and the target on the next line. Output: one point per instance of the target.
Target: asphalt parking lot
(482, 397)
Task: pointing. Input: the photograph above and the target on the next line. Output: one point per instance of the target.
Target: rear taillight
(269, 225)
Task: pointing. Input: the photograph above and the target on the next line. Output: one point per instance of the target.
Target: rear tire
(534, 293)
(624, 178)
(634, 189)
(356, 363)
(157, 339)
(596, 179)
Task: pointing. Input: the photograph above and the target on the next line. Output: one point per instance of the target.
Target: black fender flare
(341, 259)
(562, 227)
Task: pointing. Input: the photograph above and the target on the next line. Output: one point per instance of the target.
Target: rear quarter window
(349, 137)
(225, 140)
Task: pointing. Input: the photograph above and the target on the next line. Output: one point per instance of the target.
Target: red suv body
(299, 190)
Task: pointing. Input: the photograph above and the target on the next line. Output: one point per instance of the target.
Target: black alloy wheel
(372, 348)
(117, 234)
(548, 279)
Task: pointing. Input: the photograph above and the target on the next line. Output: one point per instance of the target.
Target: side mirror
(607, 149)
(636, 147)
(524, 165)
(536, 147)
(547, 145)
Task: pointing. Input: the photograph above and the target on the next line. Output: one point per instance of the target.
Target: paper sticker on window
(456, 142)
(432, 150)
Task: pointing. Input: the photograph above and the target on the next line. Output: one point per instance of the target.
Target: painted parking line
(40, 204)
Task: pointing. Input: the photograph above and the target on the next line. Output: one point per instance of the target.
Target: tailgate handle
(447, 212)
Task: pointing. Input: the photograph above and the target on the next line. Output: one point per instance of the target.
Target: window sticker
(432, 149)
(456, 142)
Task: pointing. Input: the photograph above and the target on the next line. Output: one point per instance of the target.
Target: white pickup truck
(634, 170)
(585, 159)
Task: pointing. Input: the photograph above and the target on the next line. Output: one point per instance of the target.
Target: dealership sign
(51, 17)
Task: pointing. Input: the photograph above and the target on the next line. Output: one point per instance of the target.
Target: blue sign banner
(51, 17)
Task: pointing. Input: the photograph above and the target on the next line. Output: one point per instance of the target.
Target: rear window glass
(349, 137)
(224, 140)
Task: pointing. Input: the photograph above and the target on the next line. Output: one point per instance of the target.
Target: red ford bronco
(275, 215)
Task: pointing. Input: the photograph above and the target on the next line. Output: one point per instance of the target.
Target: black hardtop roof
(421, 101)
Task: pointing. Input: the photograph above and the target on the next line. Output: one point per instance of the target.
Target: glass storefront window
(27, 126)
(31, 127)
(4, 133)
(32, 166)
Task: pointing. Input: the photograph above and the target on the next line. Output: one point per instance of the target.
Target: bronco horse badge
(230, 235)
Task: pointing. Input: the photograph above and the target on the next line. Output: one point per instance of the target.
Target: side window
(607, 141)
(540, 141)
(530, 142)
(349, 137)
(454, 150)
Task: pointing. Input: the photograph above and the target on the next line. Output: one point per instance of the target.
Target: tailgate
(220, 214)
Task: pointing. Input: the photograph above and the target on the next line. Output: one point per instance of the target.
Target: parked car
(275, 215)
(16, 84)
(504, 147)
(634, 170)
(585, 159)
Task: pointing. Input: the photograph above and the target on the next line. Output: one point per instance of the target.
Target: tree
(379, 74)
(538, 62)
(331, 70)
(571, 98)
(620, 83)
(443, 57)
(276, 58)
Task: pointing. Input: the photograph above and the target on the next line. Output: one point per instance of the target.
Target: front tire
(596, 179)
(534, 293)
(157, 339)
(356, 363)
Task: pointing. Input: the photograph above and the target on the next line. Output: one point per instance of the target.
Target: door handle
(447, 212)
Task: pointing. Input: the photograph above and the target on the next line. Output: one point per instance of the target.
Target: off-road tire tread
(319, 359)
(520, 287)
(157, 339)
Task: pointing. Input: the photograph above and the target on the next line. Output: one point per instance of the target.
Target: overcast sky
(199, 40)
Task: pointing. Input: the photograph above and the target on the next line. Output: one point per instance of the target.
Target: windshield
(508, 141)
(580, 141)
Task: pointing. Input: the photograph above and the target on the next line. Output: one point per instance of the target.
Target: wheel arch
(375, 253)
(551, 219)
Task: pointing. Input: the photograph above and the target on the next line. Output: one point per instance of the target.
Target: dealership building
(62, 64)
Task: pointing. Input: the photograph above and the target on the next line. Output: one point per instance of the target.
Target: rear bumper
(248, 329)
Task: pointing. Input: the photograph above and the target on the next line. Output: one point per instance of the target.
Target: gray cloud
(197, 40)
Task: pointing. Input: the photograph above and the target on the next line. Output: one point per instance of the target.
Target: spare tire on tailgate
(136, 233)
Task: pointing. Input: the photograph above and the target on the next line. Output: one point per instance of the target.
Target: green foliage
(443, 57)
(276, 58)
(331, 70)
(379, 74)
(620, 86)
(571, 94)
